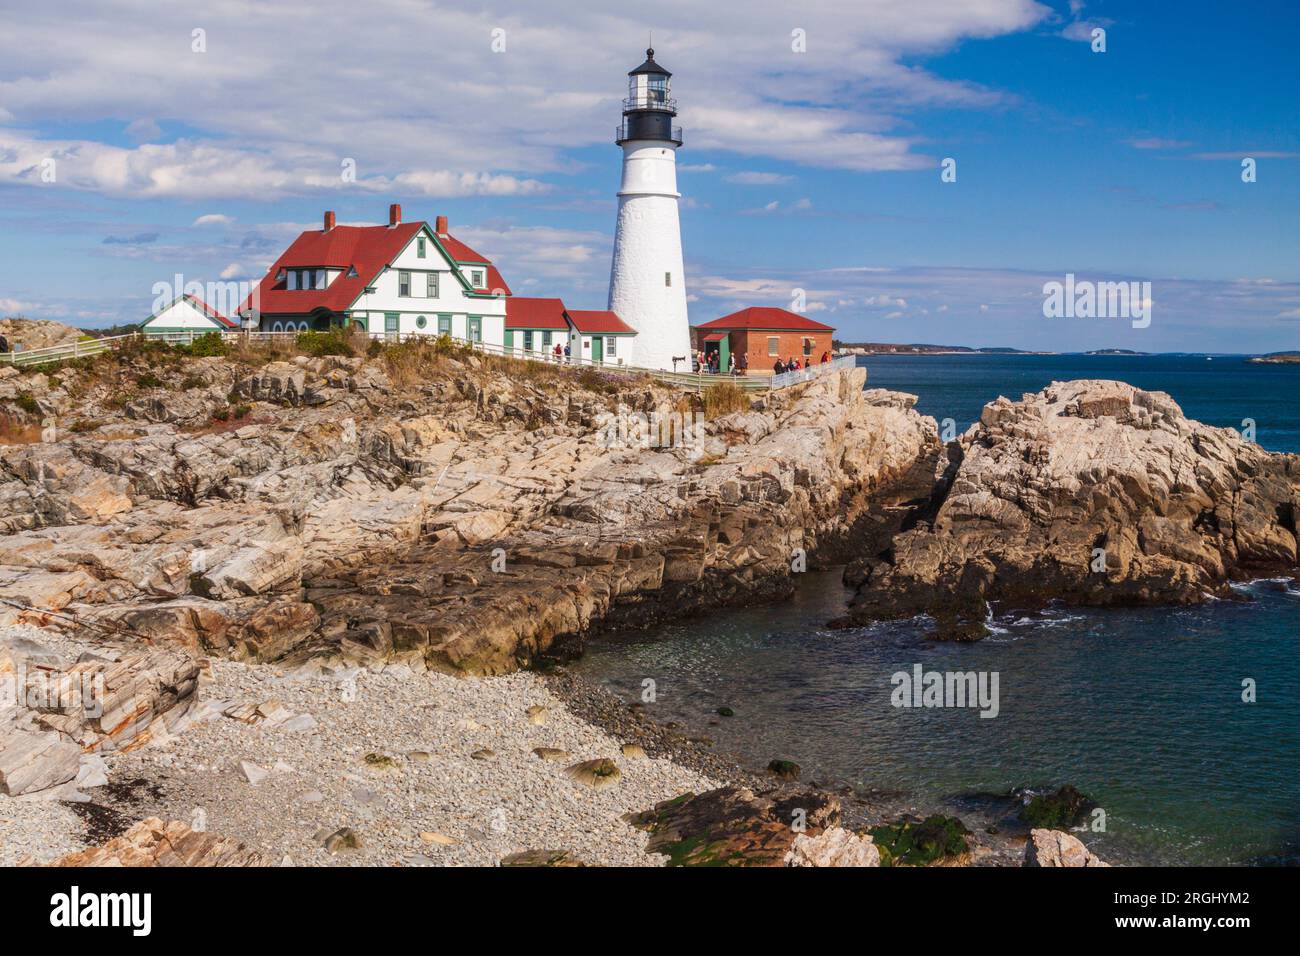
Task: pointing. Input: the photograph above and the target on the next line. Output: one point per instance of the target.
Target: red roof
(715, 336)
(759, 317)
(529, 313)
(599, 322)
(367, 249)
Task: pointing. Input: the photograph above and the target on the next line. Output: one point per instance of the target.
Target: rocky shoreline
(280, 568)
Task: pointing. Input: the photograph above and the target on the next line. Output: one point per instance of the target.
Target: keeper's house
(399, 278)
(763, 335)
(410, 278)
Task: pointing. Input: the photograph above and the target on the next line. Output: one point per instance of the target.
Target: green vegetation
(206, 345)
(907, 843)
(1061, 810)
(27, 403)
(333, 342)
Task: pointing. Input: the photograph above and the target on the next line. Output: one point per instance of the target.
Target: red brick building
(763, 335)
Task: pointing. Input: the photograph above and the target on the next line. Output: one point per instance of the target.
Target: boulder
(1055, 848)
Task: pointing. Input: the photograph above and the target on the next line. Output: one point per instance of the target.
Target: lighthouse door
(597, 349)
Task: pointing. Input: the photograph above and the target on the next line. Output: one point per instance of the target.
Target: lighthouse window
(658, 89)
(668, 278)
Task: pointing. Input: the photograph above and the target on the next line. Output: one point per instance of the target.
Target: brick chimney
(440, 225)
(329, 219)
(394, 215)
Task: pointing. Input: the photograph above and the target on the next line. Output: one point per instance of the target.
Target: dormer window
(476, 278)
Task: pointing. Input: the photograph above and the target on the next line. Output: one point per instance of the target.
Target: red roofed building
(538, 325)
(604, 336)
(186, 315)
(402, 278)
(763, 335)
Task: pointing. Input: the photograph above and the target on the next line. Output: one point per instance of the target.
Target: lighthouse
(647, 284)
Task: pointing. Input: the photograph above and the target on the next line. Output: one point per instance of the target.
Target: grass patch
(333, 342)
(723, 399)
(27, 403)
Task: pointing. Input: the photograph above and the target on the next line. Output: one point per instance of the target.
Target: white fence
(697, 381)
(786, 379)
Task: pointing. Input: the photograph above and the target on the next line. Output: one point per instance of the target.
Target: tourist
(558, 351)
(731, 365)
(826, 357)
(566, 353)
(4, 344)
(743, 364)
(779, 367)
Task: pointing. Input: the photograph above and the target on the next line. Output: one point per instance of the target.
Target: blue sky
(815, 170)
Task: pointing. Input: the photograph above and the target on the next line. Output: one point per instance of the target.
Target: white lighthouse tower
(647, 285)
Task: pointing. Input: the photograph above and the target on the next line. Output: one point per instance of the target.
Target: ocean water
(1141, 709)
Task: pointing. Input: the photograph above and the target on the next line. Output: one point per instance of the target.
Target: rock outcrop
(469, 517)
(1055, 848)
(733, 826)
(56, 717)
(1093, 492)
(154, 842)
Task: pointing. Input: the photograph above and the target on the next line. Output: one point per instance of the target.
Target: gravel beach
(425, 768)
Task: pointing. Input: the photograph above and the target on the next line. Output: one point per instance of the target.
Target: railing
(694, 380)
(650, 103)
(64, 353)
(786, 379)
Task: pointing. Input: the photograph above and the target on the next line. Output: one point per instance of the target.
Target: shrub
(27, 403)
(333, 342)
(148, 380)
(209, 344)
(191, 382)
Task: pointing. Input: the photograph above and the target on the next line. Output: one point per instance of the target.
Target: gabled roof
(367, 249)
(529, 313)
(207, 310)
(599, 322)
(767, 319)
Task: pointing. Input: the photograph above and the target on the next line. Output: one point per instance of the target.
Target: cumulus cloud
(263, 119)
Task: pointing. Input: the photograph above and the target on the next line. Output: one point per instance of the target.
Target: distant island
(1277, 358)
(1115, 352)
(885, 348)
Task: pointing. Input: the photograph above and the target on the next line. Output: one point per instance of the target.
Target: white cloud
(265, 120)
(214, 219)
(232, 271)
(751, 178)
